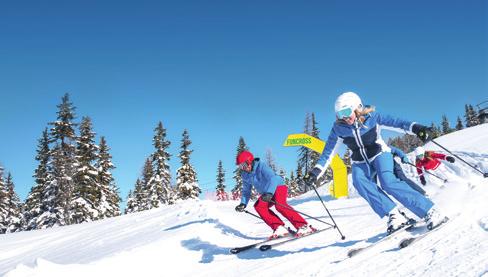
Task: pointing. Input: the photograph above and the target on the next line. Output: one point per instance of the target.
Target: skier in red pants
(273, 192)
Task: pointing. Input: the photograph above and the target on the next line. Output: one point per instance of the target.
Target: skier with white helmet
(359, 127)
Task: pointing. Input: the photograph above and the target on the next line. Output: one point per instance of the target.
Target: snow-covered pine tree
(459, 124)
(144, 202)
(131, 206)
(293, 189)
(471, 116)
(57, 195)
(87, 190)
(304, 153)
(186, 181)
(3, 203)
(160, 191)
(220, 189)
(237, 190)
(33, 203)
(436, 131)
(109, 202)
(446, 128)
(14, 215)
(314, 133)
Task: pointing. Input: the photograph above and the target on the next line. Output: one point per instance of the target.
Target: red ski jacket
(429, 162)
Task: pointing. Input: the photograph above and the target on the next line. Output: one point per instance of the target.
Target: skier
(358, 127)
(398, 171)
(428, 160)
(273, 191)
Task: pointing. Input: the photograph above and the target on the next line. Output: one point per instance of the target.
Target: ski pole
(247, 212)
(291, 209)
(473, 167)
(318, 195)
(428, 172)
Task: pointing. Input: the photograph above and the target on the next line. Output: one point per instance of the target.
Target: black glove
(311, 177)
(450, 159)
(423, 132)
(267, 197)
(422, 180)
(240, 208)
(485, 174)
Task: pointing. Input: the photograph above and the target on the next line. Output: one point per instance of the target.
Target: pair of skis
(404, 242)
(268, 244)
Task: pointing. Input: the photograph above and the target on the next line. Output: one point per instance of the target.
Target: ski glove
(485, 174)
(423, 132)
(450, 159)
(240, 208)
(267, 197)
(311, 177)
(422, 180)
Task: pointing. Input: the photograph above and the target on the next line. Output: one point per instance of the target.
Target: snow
(193, 237)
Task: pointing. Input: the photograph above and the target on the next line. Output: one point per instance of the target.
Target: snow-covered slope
(193, 238)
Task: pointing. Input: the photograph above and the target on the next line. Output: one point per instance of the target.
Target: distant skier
(398, 171)
(272, 189)
(358, 127)
(428, 160)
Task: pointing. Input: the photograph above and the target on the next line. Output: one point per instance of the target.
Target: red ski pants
(273, 221)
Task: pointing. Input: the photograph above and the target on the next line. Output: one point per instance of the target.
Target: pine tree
(446, 128)
(186, 180)
(147, 179)
(58, 193)
(471, 116)
(109, 202)
(347, 161)
(131, 203)
(87, 191)
(306, 157)
(293, 189)
(237, 190)
(33, 202)
(314, 133)
(4, 207)
(14, 207)
(220, 189)
(436, 132)
(160, 188)
(459, 124)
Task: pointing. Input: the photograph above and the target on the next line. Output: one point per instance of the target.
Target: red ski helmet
(244, 156)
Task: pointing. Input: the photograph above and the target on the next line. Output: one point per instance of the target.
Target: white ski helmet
(348, 100)
(419, 151)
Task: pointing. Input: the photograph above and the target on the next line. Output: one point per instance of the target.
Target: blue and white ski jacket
(262, 177)
(363, 139)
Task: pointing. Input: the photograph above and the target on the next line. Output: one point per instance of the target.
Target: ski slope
(192, 238)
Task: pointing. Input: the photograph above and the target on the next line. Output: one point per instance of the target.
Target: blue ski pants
(377, 197)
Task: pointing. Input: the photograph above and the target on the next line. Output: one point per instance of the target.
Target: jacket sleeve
(394, 124)
(246, 191)
(438, 155)
(270, 178)
(397, 152)
(331, 146)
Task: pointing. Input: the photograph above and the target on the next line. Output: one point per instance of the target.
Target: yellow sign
(339, 187)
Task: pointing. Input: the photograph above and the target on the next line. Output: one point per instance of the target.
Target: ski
(408, 241)
(236, 250)
(351, 253)
(266, 247)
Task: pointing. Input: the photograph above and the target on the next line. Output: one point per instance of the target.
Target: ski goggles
(420, 156)
(344, 113)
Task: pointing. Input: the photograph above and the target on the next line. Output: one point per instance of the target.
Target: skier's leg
(410, 198)
(370, 191)
(269, 217)
(286, 210)
(397, 170)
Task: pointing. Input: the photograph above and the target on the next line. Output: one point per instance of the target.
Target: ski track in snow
(193, 238)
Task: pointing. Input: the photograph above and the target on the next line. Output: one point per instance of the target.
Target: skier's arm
(395, 124)
(397, 152)
(246, 191)
(331, 146)
(269, 177)
(438, 155)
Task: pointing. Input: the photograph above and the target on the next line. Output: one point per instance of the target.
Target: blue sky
(224, 69)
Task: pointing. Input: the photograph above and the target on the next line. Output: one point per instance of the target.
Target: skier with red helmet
(273, 192)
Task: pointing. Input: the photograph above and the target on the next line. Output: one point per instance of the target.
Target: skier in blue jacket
(273, 191)
(398, 171)
(359, 128)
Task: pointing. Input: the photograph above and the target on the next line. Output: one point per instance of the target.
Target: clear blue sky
(224, 69)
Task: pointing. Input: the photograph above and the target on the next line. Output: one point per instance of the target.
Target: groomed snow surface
(193, 238)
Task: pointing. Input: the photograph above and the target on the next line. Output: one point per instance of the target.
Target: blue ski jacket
(363, 139)
(262, 177)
